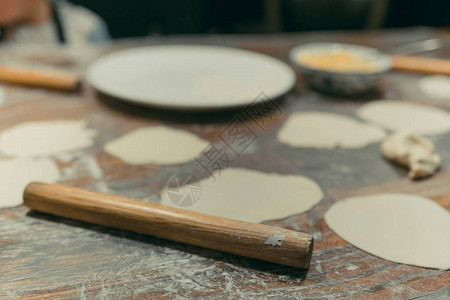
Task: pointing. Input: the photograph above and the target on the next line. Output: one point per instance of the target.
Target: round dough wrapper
(436, 86)
(157, 145)
(325, 130)
(251, 195)
(402, 228)
(46, 138)
(17, 173)
(399, 115)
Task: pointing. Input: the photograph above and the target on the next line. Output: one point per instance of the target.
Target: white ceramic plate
(190, 76)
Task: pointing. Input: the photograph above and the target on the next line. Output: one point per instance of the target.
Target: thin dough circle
(252, 196)
(402, 228)
(400, 115)
(159, 145)
(46, 138)
(436, 86)
(316, 129)
(17, 173)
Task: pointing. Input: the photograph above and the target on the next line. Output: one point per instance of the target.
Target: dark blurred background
(133, 18)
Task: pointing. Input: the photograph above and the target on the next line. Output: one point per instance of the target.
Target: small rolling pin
(421, 64)
(252, 240)
(60, 80)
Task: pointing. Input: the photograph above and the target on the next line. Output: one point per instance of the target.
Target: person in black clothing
(48, 22)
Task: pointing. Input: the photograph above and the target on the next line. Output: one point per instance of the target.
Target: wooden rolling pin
(40, 78)
(421, 64)
(253, 240)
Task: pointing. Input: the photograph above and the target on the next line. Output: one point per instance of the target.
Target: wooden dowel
(40, 78)
(253, 240)
(421, 65)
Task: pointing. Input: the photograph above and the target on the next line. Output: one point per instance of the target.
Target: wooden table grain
(45, 257)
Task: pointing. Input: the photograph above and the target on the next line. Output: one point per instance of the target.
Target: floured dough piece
(46, 138)
(316, 129)
(400, 115)
(436, 86)
(249, 195)
(16, 173)
(412, 151)
(403, 228)
(157, 145)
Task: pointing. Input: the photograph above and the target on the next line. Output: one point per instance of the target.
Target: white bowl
(342, 83)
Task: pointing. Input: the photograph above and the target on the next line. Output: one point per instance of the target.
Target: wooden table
(47, 257)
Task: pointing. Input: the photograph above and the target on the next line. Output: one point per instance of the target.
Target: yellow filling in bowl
(339, 62)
